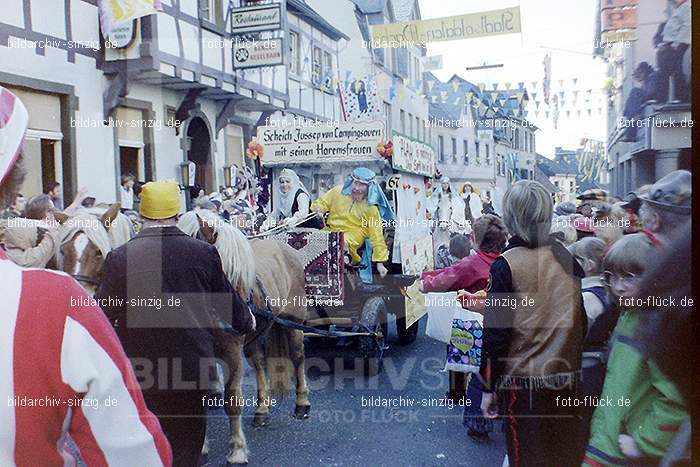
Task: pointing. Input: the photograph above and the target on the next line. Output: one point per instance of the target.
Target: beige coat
(21, 238)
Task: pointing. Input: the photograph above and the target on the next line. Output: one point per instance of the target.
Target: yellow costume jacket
(358, 220)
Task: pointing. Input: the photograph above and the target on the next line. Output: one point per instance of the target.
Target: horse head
(86, 245)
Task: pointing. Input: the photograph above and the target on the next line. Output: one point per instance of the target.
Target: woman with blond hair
(534, 327)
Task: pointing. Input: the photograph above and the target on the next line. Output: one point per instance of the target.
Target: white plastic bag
(441, 309)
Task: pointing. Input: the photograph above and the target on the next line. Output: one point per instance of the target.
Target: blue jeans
(473, 418)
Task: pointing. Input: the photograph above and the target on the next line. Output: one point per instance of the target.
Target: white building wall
(94, 145)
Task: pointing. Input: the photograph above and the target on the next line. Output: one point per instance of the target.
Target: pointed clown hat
(14, 120)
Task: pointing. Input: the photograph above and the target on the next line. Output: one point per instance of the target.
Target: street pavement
(341, 432)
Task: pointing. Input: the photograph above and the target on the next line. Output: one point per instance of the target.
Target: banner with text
(413, 156)
(321, 142)
(114, 13)
(485, 23)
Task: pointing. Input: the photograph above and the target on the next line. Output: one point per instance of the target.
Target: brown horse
(271, 274)
(88, 237)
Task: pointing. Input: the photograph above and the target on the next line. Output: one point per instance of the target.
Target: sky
(565, 28)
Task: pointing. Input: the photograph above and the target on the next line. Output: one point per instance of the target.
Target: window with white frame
(317, 66)
(402, 121)
(477, 155)
(416, 70)
(454, 149)
(441, 148)
(466, 151)
(410, 125)
(212, 11)
(327, 64)
(294, 52)
(387, 112)
(487, 154)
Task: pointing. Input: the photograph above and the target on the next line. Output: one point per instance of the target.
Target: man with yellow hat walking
(166, 291)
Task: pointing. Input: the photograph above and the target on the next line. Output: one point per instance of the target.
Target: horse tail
(279, 362)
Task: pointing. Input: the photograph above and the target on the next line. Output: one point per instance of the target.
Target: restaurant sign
(257, 53)
(256, 18)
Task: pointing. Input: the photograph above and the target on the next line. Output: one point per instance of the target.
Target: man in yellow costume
(359, 208)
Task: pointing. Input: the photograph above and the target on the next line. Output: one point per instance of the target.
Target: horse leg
(233, 400)
(256, 358)
(296, 345)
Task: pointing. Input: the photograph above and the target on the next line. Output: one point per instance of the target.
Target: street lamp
(230, 175)
(187, 174)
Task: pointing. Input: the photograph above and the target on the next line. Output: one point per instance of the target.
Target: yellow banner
(114, 13)
(485, 23)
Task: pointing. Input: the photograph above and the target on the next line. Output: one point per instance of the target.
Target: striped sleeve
(66, 352)
(113, 424)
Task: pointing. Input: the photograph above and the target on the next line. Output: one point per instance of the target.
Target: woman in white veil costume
(447, 210)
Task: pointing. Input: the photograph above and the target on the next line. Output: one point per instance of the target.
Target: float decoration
(255, 152)
(386, 149)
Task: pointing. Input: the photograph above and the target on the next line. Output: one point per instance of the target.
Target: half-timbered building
(168, 94)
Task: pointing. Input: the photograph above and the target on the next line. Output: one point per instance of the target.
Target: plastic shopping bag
(466, 341)
(441, 309)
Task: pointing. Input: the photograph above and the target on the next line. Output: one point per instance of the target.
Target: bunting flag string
(507, 85)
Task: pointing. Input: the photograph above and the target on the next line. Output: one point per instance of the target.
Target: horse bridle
(78, 277)
(87, 279)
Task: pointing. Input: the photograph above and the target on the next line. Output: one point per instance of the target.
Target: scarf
(285, 201)
(375, 195)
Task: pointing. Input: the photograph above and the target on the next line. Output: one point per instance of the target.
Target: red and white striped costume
(63, 358)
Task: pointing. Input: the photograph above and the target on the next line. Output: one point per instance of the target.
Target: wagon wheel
(406, 336)
(371, 349)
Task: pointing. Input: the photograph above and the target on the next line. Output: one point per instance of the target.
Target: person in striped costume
(63, 372)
